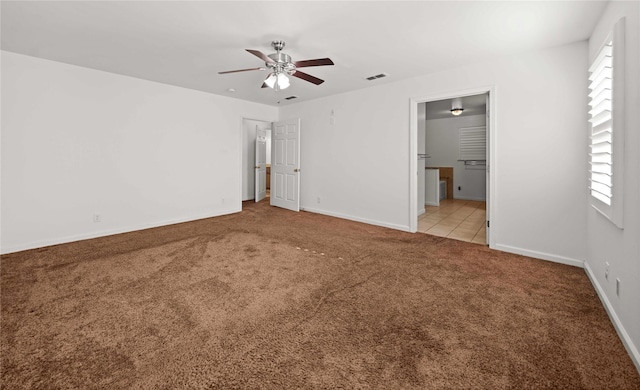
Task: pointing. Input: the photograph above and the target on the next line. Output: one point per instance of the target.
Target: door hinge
(487, 223)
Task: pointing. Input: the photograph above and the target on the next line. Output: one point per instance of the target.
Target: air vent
(378, 76)
(291, 97)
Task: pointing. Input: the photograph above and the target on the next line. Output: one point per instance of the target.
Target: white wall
(442, 144)
(360, 165)
(77, 141)
(621, 248)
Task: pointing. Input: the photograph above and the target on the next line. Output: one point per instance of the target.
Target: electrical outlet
(97, 218)
(319, 200)
(606, 270)
(618, 286)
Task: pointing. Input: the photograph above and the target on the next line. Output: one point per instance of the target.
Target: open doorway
(251, 128)
(453, 154)
(271, 162)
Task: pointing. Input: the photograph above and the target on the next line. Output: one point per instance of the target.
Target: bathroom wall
(441, 143)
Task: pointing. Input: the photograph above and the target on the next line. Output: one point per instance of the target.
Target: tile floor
(463, 220)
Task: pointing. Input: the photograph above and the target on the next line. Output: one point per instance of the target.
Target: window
(606, 95)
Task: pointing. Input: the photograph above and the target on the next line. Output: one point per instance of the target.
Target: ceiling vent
(291, 97)
(378, 76)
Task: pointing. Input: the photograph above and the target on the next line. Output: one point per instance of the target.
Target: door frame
(413, 150)
(241, 173)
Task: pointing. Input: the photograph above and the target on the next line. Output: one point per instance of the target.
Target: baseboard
(539, 255)
(632, 350)
(420, 212)
(103, 233)
(358, 219)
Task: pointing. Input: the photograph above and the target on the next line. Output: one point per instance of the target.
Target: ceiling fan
(281, 66)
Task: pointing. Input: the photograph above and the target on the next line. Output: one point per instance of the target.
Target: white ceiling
(187, 43)
(472, 105)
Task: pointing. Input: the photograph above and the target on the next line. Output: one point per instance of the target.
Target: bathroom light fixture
(456, 106)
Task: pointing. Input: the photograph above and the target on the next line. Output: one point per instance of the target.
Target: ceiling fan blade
(240, 70)
(317, 62)
(307, 77)
(264, 83)
(261, 55)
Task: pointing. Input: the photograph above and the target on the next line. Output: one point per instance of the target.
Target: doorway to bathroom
(453, 148)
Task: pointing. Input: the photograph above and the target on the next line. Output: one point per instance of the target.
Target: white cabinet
(432, 187)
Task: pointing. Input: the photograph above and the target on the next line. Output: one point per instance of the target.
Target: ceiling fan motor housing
(282, 63)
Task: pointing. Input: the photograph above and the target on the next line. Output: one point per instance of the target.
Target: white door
(261, 164)
(487, 202)
(285, 164)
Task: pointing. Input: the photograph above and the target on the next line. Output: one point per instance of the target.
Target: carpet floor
(272, 299)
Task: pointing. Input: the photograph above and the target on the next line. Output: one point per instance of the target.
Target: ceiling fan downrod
(277, 45)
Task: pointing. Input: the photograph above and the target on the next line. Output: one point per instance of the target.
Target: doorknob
(297, 170)
(257, 166)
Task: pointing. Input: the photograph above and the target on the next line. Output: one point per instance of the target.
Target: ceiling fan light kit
(277, 81)
(281, 66)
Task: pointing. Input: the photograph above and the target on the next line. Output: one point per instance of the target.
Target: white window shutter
(600, 104)
(606, 116)
(473, 144)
